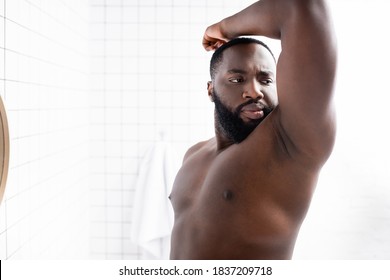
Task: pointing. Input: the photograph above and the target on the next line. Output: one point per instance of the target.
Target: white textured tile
(114, 230)
(46, 142)
(2, 7)
(3, 218)
(3, 246)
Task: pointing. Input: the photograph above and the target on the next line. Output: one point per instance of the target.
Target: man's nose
(253, 91)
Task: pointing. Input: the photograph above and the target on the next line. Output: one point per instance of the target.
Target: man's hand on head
(213, 37)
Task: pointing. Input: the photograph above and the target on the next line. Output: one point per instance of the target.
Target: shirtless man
(244, 193)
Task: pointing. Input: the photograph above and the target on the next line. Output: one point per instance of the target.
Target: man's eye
(236, 80)
(267, 81)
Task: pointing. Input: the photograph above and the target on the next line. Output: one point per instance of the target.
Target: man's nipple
(228, 195)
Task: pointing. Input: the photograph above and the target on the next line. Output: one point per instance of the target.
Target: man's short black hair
(216, 59)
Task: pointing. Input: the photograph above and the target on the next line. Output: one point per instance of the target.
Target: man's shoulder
(197, 147)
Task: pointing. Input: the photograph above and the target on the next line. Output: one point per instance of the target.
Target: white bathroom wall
(350, 213)
(44, 84)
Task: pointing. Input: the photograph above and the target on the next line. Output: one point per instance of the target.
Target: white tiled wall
(350, 213)
(44, 84)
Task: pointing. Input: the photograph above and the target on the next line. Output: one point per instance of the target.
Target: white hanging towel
(152, 218)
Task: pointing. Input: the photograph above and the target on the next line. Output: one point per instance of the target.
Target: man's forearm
(268, 17)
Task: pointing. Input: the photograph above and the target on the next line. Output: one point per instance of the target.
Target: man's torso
(245, 202)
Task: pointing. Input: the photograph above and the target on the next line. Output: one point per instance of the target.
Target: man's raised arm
(305, 72)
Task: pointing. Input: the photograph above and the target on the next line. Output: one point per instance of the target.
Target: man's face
(244, 89)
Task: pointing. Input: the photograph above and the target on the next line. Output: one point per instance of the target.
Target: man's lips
(253, 111)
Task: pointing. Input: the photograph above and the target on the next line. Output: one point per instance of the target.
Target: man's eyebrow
(241, 71)
(266, 73)
(236, 71)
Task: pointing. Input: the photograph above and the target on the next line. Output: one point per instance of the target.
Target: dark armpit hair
(216, 59)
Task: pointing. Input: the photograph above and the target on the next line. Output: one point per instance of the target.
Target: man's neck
(223, 142)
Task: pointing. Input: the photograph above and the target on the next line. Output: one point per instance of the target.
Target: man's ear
(210, 90)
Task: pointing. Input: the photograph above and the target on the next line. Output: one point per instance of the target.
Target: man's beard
(230, 122)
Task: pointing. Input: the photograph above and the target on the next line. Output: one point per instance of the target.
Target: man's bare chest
(223, 182)
(235, 186)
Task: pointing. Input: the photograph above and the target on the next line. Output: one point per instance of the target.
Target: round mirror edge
(4, 160)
